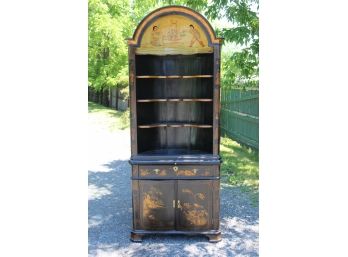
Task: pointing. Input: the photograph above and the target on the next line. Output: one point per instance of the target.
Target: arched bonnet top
(173, 30)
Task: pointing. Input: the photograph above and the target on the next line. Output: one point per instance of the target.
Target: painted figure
(196, 37)
(156, 36)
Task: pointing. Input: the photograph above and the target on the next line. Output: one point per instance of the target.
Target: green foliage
(108, 119)
(241, 166)
(240, 67)
(108, 27)
(111, 22)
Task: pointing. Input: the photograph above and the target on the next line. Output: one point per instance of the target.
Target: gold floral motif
(150, 172)
(195, 214)
(193, 211)
(185, 173)
(152, 200)
(200, 196)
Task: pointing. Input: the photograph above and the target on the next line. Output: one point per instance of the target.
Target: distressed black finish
(175, 104)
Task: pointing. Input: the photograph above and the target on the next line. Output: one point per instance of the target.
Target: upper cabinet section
(174, 30)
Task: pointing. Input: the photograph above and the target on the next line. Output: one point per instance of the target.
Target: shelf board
(174, 151)
(174, 76)
(174, 125)
(175, 100)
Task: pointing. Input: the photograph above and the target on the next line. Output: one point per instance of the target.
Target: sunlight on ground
(102, 119)
(95, 192)
(97, 220)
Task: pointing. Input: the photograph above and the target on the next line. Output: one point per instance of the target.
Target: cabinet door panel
(194, 210)
(157, 210)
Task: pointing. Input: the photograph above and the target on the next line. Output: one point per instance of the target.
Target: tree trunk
(117, 98)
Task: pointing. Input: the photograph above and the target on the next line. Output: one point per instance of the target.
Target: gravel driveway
(109, 208)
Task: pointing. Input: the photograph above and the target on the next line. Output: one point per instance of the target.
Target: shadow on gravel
(109, 207)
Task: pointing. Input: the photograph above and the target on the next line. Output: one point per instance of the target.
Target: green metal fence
(240, 115)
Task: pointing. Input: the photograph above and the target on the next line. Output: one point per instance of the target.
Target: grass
(241, 166)
(107, 118)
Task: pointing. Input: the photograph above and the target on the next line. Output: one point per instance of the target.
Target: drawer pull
(173, 203)
(194, 171)
(156, 171)
(175, 168)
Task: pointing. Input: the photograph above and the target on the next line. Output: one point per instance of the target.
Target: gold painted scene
(172, 35)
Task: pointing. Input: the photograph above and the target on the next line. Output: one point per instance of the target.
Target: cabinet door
(157, 209)
(194, 204)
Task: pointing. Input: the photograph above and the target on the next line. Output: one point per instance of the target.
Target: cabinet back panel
(171, 112)
(174, 64)
(154, 112)
(175, 88)
(152, 139)
(192, 112)
(182, 139)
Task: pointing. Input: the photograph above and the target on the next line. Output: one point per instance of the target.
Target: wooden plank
(174, 100)
(175, 125)
(173, 77)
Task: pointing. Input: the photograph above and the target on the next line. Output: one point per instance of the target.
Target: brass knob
(175, 168)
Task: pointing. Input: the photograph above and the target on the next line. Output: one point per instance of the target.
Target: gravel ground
(109, 206)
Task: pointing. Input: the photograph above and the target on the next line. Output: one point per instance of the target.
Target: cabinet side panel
(135, 172)
(216, 204)
(216, 119)
(133, 111)
(136, 204)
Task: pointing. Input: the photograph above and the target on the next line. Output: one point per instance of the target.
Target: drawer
(178, 170)
(197, 170)
(156, 170)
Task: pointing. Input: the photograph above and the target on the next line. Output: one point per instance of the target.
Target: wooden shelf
(173, 151)
(175, 100)
(174, 125)
(174, 76)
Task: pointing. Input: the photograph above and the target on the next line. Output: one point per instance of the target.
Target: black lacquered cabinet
(174, 77)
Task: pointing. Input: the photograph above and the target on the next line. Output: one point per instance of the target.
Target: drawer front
(156, 171)
(198, 170)
(178, 170)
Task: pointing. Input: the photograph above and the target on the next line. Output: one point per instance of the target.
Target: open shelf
(173, 76)
(195, 88)
(174, 66)
(174, 103)
(174, 151)
(175, 100)
(174, 113)
(174, 125)
(194, 139)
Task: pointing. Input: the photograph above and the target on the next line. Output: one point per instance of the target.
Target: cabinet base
(214, 236)
(135, 237)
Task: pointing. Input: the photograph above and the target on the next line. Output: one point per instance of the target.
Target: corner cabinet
(174, 79)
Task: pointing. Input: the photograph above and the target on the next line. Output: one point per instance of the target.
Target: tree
(242, 66)
(111, 22)
(108, 27)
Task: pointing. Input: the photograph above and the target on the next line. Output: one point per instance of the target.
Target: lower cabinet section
(176, 206)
